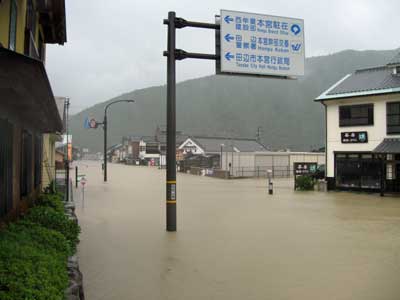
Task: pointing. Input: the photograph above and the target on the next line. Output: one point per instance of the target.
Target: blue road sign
(261, 44)
(86, 123)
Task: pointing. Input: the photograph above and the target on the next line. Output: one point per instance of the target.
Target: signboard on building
(261, 44)
(354, 137)
(304, 168)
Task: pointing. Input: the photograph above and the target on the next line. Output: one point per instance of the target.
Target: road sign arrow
(228, 19)
(229, 56)
(229, 38)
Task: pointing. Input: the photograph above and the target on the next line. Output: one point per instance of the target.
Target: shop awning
(388, 146)
(25, 92)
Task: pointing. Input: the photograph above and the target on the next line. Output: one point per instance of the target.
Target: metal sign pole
(76, 177)
(105, 145)
(171, 125)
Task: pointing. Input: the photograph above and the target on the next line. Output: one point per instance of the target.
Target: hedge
(34, 252)
(305, 183)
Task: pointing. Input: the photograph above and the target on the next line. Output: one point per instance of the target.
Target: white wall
(190, 146)
(376, 132)
(251, 161)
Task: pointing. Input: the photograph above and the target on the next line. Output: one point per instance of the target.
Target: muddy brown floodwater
(234, 241)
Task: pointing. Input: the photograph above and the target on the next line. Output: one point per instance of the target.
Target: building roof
(213, 144)
(25, 88)
(371, 81)
(60, 102)
(388, 146)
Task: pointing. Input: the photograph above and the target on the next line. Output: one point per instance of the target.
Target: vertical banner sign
(261, 44)
(68, 145)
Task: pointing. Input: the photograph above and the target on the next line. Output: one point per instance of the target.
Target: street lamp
(105, 133)
(220, 157)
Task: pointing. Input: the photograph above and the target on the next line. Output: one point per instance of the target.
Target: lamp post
(66, 157)
(105, 125)
(220, 157)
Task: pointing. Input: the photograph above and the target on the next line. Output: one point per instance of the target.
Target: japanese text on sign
(261, 44)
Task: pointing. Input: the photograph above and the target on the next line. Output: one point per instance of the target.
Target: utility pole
(66, 157)
(259, 131)
(171, 124)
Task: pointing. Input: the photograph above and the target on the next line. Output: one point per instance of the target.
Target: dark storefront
(358, 171)
(378, 170)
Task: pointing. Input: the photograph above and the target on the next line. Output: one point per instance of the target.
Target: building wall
(49, 158)
(4, 22)
(20, 202)
(376, 132)
(257, 163)
(189, 146)
(21, 25)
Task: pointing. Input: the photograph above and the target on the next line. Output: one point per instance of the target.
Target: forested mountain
(234, 106)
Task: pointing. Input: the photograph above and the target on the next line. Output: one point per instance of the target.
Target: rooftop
(214, 144)
(371, 81)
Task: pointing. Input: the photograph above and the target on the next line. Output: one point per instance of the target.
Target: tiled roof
(388, 146)
(366, 80)
(378, 80)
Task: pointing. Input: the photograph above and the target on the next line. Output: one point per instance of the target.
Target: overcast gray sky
(116, 46)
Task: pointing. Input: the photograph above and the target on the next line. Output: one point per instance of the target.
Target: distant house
(149, 149)
(218, 145)
(217, 151)
(363, 129)
(116, 153)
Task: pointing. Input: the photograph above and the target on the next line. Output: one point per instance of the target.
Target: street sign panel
(261, 44)
(304, 168)
(83, 181)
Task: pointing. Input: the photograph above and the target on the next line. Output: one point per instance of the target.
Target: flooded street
(234, 241)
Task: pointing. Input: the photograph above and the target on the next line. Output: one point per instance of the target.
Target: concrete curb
(75, 287)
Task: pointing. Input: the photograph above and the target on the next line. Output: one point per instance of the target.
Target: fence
(262, 171)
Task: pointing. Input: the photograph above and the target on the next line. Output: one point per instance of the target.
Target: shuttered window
(356, 115)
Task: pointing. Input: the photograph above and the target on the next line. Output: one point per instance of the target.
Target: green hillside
(234, 106)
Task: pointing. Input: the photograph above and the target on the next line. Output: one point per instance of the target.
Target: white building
(247, 157)
(217, 145)
(363, 129)
(256, 164)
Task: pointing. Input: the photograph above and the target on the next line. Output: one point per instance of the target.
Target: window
(30, 32)
(393, 117)
(26, 164)
(356, 115)
(6, 167)
(13, 26)
(31, 17)
(357, 171)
